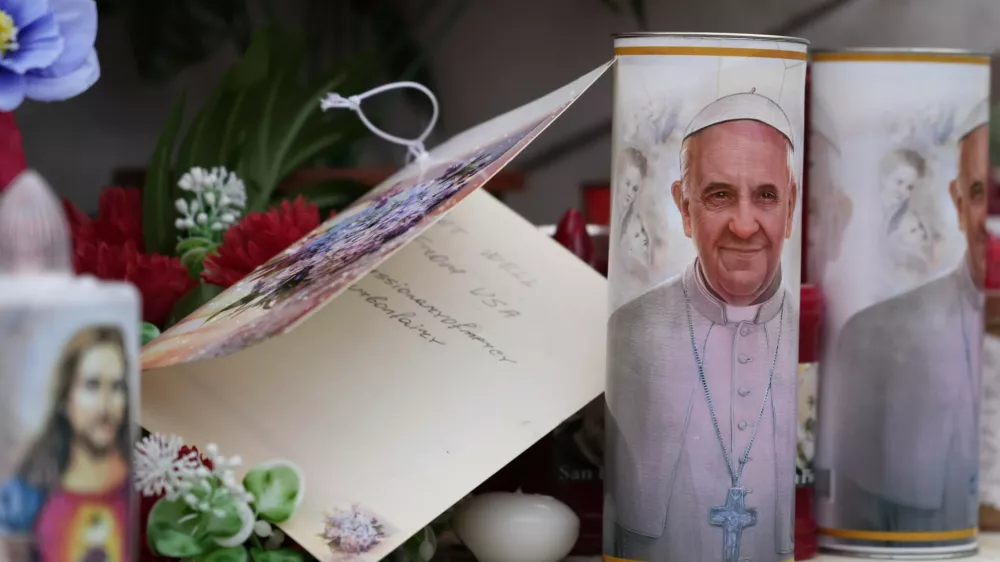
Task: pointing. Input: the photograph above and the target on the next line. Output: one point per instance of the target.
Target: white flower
(160, 469)
(262, 529)
(222, 468)
(217, 197)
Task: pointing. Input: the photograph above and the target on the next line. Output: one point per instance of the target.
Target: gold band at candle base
(894, 536)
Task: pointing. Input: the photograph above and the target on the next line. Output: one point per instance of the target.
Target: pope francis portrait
(909, 369)
(702, 368)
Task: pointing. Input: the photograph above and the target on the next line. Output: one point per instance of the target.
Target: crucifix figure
(733, 518)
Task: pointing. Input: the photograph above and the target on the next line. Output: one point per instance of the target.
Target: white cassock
(666, 468)
(989, 461)
(905, 382)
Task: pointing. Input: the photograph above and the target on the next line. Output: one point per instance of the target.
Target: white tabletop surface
(989, 551)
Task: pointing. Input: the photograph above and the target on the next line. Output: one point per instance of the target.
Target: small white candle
(516, 527)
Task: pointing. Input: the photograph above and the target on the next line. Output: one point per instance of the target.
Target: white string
(414, 147)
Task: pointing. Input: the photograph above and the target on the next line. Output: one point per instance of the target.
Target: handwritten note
(493, 290)
(403, 304)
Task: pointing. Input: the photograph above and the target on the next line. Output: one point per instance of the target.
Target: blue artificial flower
(46, 50)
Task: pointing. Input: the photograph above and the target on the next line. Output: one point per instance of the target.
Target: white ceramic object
(516, 527)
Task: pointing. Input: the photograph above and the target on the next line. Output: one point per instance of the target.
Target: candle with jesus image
(68, 382)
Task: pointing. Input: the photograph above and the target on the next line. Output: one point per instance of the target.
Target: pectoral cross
(733, 518)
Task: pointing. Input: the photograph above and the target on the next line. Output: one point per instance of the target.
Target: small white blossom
(222, 468)
(351, 531)
(262, 529)
(160, 468)
(217, 198)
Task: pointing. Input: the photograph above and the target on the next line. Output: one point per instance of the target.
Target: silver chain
(734, 473)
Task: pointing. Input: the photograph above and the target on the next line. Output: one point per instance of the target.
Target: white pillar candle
(516, 527)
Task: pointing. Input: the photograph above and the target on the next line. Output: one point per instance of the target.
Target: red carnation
(161, 280)
(257, 238)
(12, 161)
(119, 217)
(993, 263)
(572, 234)
(80, 225)
(110, 247)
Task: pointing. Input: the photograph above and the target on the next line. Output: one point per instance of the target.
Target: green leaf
(194, 242)
(192, 253)
(230, 554)
(328, 195)
(194, 260)
(252, 68)
(276, 148)
(232, 129)
(277, 488)
(157, 193)
(281, 555)
(235, 526)
(168, 535)
(202, 293)
(149, 332)
(200, 145)
(255, 165)
(311, 149)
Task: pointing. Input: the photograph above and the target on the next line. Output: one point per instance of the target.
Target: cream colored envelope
(398, 357)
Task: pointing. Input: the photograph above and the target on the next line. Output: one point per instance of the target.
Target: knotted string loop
(414, 147)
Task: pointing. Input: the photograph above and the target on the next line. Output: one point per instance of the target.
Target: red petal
(257, 238)
(12, 160)
(572, 234)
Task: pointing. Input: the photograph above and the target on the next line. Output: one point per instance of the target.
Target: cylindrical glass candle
(704, 290)
(899, 168)
(69, 377)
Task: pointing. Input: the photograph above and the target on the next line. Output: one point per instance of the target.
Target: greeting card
(399, 354)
